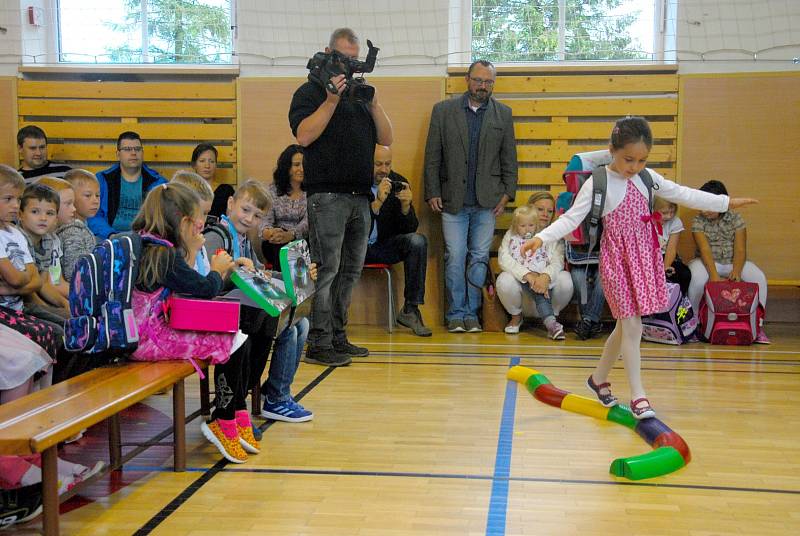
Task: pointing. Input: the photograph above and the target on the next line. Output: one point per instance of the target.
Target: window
(145, 31)
(563, 30)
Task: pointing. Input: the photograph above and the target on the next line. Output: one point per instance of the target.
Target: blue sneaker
(286, 411)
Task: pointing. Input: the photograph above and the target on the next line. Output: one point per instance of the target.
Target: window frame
(661, 12)
(232, 64)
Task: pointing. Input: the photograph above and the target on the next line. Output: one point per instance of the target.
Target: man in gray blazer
(470, 176)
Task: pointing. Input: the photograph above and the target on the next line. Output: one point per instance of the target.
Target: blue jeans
(467, 239)
(286, 353)
(543, 305)
(338, 231)
(589, 275)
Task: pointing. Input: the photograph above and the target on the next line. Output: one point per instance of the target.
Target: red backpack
(730, 312)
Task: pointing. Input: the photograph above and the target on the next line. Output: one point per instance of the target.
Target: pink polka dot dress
(631, 266)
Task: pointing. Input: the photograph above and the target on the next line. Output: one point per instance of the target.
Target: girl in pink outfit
(631, 265)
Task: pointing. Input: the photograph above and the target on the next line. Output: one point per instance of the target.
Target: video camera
(324, 65)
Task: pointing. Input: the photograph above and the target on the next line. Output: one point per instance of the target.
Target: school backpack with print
(582, 246)
(730, 312)
(676, 324)
(101, 316)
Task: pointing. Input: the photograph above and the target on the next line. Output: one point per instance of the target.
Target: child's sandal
(642, 409)
(608, 400)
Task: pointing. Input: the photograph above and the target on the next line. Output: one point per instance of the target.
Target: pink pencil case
(192, 314)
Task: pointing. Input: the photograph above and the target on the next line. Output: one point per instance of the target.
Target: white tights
(625, 340)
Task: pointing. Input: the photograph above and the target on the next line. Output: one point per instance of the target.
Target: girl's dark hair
(161, 214)
(200, 149)
(714, 187)
(631, 129)
(280, 176)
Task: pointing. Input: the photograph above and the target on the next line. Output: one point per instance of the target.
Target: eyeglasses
(132, 149)
(481, 81)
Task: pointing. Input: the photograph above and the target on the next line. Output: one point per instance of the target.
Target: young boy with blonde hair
(246, 209)
(76, 237)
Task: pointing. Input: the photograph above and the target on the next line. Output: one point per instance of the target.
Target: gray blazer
(447, 152)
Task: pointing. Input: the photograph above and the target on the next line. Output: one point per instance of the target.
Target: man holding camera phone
(393, 237)
(339, 135)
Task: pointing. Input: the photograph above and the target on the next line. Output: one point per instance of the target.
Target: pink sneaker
(762, 338)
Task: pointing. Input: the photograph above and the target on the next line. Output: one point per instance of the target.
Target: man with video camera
(394, 239)
(339, 128)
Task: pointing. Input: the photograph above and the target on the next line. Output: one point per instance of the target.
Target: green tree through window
(179, 31)
(145, 31)
(528, 30)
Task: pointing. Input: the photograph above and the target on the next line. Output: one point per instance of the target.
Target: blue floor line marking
(498, 503)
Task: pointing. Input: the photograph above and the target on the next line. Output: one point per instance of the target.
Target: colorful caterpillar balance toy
(671, 451)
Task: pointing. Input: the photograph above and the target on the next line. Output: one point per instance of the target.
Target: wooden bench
(38, 422)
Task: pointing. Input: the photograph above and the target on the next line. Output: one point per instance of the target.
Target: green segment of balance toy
(535, 380)
(658, 462)
(622, 415)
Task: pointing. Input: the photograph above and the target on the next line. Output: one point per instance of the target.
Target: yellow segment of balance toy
(584, 406)
(520, 374)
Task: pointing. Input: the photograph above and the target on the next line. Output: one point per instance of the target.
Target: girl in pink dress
(631, 266)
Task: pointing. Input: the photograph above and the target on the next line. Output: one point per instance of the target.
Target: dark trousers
(230, 384)
(234, 378)
(271, 254)
(412, 250)
(682, 275)
(338, 229)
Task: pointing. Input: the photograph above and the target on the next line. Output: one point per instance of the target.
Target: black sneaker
(346, 348)
(588, 329)
(329, 357)
(413, 319)
(596, 328)
(20, 505)
(583, 329)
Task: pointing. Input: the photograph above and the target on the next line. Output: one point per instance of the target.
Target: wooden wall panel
(264, 133)
(83, 119)
(745, 131)
(8, 120)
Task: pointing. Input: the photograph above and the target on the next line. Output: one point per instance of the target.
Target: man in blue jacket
(123, 187)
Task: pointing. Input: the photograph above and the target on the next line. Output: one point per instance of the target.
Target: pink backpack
(162, 342)
(730, 313)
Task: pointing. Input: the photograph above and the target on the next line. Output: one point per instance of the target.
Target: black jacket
(391, 221)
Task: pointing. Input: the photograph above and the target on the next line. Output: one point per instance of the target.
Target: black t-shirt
(341, 159)
(219, 205)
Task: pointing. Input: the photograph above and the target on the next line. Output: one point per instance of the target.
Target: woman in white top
(536, 286)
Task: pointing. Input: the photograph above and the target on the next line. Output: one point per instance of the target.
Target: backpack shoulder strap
(220, 229)
(650, 184)
(599, 187)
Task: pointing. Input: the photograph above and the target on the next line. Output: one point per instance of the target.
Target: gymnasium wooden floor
(426, 437)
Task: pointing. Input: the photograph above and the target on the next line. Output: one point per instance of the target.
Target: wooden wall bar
(83, 119)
